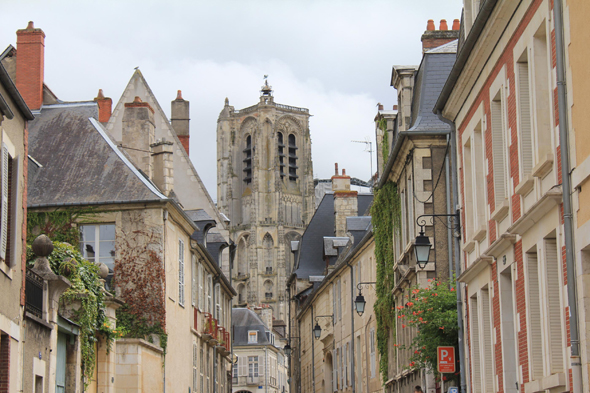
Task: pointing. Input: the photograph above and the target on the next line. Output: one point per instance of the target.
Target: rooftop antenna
(369, 146)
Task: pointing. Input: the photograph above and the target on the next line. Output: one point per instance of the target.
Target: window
(267, 245)
(201, 279)
(268, 288)
(339, 304)
(194, 285)
(372, 351)
(8, 212)
(534, 314)
(242, 258)
(217, 311)
(524, 107)
(554, 334)
(97, 244)
(202, 369)
(181, 272)
(248, 160)
(252, 366)
(252, 337)
(346, 364)
(210, 294)
(475, 348)
(208, 370)
(292, 158)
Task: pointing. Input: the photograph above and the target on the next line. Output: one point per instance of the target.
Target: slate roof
(311, 247)
(429, 80)
(244, 320)
(80, 164)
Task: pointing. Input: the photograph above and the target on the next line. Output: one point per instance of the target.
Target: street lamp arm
(365, 285)
(325, 316)
(421, 220)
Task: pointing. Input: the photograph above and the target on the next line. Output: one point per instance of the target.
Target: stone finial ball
(103, 270)
(42, 246)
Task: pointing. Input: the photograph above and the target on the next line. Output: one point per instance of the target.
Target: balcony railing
(34, 293)
(257, 380)
(210, 329)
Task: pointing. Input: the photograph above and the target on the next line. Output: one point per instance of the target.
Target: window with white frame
(97, 244)
(474, 182)
(210, 294)
(201, 280)
(181, 272)
(542, 94)
(253, 366)
(252, 337)
(217, 311)
(499, 166)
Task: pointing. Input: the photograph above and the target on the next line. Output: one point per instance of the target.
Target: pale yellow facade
(327, 363)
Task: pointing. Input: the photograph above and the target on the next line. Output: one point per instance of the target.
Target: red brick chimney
(434, 38)
(345, 201)
(30, 64)
(105, 105)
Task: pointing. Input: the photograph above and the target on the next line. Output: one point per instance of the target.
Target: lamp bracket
(365, 285)
(325, 316)
(456, 225)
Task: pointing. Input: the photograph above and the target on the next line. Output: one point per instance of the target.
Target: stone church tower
(265, 187)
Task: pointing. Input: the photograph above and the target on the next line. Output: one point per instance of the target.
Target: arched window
(268, 247)
(242, 258)
(241, 294)
(292, 158)
(281, 154)
(268, 289)
(248, 160)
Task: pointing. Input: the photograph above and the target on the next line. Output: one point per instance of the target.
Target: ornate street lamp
(287, 350)
(422, 248)
(359, 301)
(317, 330)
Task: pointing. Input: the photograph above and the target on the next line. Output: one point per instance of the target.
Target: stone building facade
(265, 187)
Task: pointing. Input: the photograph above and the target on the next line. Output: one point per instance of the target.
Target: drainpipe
(312, 352)
(457, 246)
(567, 192)
(449, 211)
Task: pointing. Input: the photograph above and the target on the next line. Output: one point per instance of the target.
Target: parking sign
(446, 360)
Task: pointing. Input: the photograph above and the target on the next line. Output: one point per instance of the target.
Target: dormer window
(248, 160)
(252, 337)
(292, 158)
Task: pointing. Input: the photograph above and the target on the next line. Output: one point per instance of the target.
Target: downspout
(367, 354)
(567, 192)
(165, 217)
(353, 370)
(457, 252)
(312, 352)
(232, 254)
(449, 211)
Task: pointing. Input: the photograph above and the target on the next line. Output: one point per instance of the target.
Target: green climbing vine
(386, 219)
(59, 225)
(88, 292)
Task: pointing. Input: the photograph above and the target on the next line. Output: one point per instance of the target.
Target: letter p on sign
(446, 360)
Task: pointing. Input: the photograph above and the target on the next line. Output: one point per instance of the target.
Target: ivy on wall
(87, 290)
(386, 220)
(382, 124)
(59, 225)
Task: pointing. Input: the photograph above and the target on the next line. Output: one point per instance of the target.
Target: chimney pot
(179, 95)
(443, 25)
(343, 172)
(336, 169)
(380, 106)
(105, 105)
(456, 24)
(180, 120)
(430, 25)
(137, 99)
(395, 107)
(31, 25)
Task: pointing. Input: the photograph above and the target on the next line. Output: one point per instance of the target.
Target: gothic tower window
(292, 158)
(241, 294)
(281, 154)
(242, 258)
(268, 286)
(268, 246)
(248, 160)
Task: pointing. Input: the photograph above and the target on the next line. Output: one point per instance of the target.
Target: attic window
(252, 337)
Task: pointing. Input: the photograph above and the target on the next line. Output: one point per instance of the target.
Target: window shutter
(486, 328)
(334, 372)
(524, 102)
(348, 365)
(180, 272)
(554, 306)
(334, 300)
(499, 165)
(475, 348)
(534, 324)
(341, 358)
(339, 300)
(201, 294)
(242, 366)
(194, 280)
(4, 211)
(372, 348)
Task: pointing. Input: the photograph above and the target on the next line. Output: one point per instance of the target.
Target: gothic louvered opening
(281, 154)
(292, 158)
(248, 160)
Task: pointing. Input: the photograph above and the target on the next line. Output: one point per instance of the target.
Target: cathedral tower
(265, 186)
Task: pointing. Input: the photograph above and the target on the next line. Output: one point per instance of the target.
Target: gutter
(462, 57)
(567, 197)
(400, 138)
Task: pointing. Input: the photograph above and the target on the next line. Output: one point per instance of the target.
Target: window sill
(525, 186)
(481, 233)
(469, 246)
(544, 166)
(501, 211)
(39, 320)
(546, 383)
(6, 269)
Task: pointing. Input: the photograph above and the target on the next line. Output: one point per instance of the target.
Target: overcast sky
(333, 57)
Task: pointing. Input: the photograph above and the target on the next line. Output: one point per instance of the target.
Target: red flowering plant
(432, 310)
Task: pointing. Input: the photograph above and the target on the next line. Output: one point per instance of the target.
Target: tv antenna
(368, 148)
